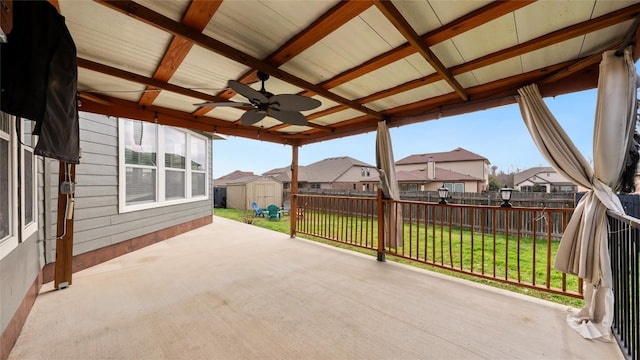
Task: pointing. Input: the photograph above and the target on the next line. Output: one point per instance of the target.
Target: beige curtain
(583, 249)
(386, 165)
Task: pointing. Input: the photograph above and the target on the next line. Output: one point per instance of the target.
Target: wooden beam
(196, 17)
(463, 24)
(570, 32)
(124, 108)
(160, 21)
(129, 76)
(64, 227)
(337, 16)
(402, 25)
(340, 14)
(293, 215)
(517, 50)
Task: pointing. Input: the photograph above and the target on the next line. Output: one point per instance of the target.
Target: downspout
(294, 186)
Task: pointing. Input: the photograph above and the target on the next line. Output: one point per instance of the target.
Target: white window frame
(32, 227)
(161, 169)
(452, 186)
(16, 153)
(10, 242)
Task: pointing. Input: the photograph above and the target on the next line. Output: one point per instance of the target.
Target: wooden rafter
(575, 75)
(158, 84)
(160, 21)
(402, 25)
(499, 92)
(556, 37)
(337, 16)
(465, 23)
(196, 17)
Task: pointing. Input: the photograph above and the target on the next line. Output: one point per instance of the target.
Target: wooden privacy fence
(512, 245)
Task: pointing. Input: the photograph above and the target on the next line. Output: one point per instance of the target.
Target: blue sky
(498, 134)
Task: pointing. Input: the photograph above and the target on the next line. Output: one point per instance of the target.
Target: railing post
(381, 256)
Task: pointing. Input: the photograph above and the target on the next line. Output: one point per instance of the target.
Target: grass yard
(429, 244)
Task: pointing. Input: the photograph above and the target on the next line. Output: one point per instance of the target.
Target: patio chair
(274, 212)
(257, 209)
(286, 208)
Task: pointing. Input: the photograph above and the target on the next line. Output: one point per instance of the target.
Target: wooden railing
(511, 245)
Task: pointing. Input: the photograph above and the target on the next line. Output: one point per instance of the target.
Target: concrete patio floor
(235, 291)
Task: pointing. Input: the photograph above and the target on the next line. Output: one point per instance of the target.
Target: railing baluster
(428, 227)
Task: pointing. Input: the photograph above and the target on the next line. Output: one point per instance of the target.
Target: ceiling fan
(283, 107)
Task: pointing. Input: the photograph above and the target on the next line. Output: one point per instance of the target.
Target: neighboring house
(220, 186)
(542, 179)
(137, 183)
(338, 173)
(262, 190)
(458, 170)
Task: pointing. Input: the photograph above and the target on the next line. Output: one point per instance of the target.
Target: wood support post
(64, 232)
(381, 256)
(294, 187)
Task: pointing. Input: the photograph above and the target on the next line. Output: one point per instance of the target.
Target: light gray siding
(97, 221)
(20, 268)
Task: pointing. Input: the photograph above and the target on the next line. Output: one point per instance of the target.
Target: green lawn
(443, 250)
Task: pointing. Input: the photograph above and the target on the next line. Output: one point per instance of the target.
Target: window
(454, 187)
(175, 153)
(6, 207)
(198, 166)
(314, 186)
(18, 183)
(28, 176)
(161, 165)
(408, 187)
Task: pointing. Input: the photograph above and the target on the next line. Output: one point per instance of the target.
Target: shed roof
(250, 179)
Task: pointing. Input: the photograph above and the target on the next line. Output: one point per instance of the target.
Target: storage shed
(261, 189)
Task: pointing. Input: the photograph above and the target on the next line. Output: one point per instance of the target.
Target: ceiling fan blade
(288, 117)
(224, 103)
(254, 96)
(288, 102)
(251, 117)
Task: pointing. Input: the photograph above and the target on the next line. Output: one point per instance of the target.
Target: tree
(494, 184)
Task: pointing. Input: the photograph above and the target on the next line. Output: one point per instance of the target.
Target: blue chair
(257, 209)
(274, 212)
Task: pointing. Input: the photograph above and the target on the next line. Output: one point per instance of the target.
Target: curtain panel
(583, 249)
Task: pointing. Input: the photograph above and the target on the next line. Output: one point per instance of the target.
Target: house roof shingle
(457, 154)
(323, 171)
(420, 176)
(528, 173)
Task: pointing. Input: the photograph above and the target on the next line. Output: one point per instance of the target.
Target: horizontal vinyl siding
(97, 222)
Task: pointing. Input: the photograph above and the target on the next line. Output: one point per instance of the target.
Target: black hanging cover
(39, 76)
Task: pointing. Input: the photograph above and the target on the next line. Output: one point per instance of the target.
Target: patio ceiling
(403, 61)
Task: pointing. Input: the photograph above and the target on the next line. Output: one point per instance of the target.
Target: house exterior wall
(476, 168)
(469, 186)
(21, 267)
(97, 220)
(98, 225)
